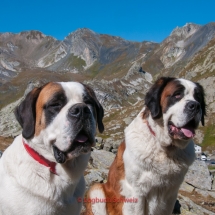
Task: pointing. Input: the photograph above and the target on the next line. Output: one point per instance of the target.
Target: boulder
(108, 144)
(102, 159)
(188, 207)
(186, 187)
(199, 176)
(116, 144)
(99, 143)
(127, 120)
(114, 151)
(98, 166)
(99, 139)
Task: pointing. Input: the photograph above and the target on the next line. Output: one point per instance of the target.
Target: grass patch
(211, 167)
(209, 137)
(74, 61)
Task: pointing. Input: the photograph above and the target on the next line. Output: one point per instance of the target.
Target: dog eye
(55, 105)
(177, 95)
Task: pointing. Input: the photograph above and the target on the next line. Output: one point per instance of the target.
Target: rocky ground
(196, 195)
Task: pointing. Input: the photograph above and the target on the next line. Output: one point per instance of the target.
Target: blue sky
(135, 20)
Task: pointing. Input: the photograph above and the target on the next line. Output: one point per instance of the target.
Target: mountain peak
(81, 32)
(185, 31)
(33, 34)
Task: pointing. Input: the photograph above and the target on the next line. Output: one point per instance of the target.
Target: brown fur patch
(112, 188)
(44, 96)
(170, 88)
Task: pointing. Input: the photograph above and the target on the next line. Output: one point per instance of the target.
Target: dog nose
(193, 106)
(79, 110)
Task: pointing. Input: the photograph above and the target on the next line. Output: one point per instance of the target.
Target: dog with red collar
(41, 172)
(158, 149)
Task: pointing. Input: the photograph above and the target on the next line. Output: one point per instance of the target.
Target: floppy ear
(26, 113)
(153, 97)
(202, 102)
(99, 108)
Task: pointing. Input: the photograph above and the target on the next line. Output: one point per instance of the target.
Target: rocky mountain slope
(120, 71)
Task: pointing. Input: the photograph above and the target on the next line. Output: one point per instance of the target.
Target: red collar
(150, 128)
(40, 159)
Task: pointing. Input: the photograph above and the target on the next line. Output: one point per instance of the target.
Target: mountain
(120, 71)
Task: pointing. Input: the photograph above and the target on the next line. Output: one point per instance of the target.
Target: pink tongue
(187, 132)
(81, 138)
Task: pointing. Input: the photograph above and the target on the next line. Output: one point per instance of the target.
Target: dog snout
(78, 111)
(192, 106)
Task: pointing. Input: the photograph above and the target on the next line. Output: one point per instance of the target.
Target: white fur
(27, 187)
(98, 208)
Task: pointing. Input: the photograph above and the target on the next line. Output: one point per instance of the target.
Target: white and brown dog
(42, 171)
(158, 149)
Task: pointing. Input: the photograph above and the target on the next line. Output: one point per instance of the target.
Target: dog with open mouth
(42, 170)
(151, 163)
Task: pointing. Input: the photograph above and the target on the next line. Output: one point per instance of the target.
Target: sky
(136, 20)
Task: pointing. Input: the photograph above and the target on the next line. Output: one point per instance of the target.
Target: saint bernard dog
(41, 172)
(158, 149)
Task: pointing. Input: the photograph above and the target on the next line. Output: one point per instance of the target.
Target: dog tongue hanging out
(151, 164)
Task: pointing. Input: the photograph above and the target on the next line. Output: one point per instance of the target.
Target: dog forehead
(48, 91)
(189, 85)
(73, 90)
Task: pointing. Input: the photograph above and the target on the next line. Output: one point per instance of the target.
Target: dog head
(63, 116)
(181, 106)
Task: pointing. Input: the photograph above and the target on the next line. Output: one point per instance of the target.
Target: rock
(127, 120)
(98, 166)
(1, 153)
(186, 187)
(99, 143)
(199, 136)
(202, 192)
(212, 194)
(93, 176)
(101, 159)
(188, 207)
(198, 176)
(108, 145)
(114, 151)
(116, 144)
(99, 139)
(213, 184)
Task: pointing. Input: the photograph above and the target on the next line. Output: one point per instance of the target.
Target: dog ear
(201, 100)
(26, 113)
(153, 96)
(99, 108)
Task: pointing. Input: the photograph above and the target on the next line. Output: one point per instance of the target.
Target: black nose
(79, 110)
(193, 106)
